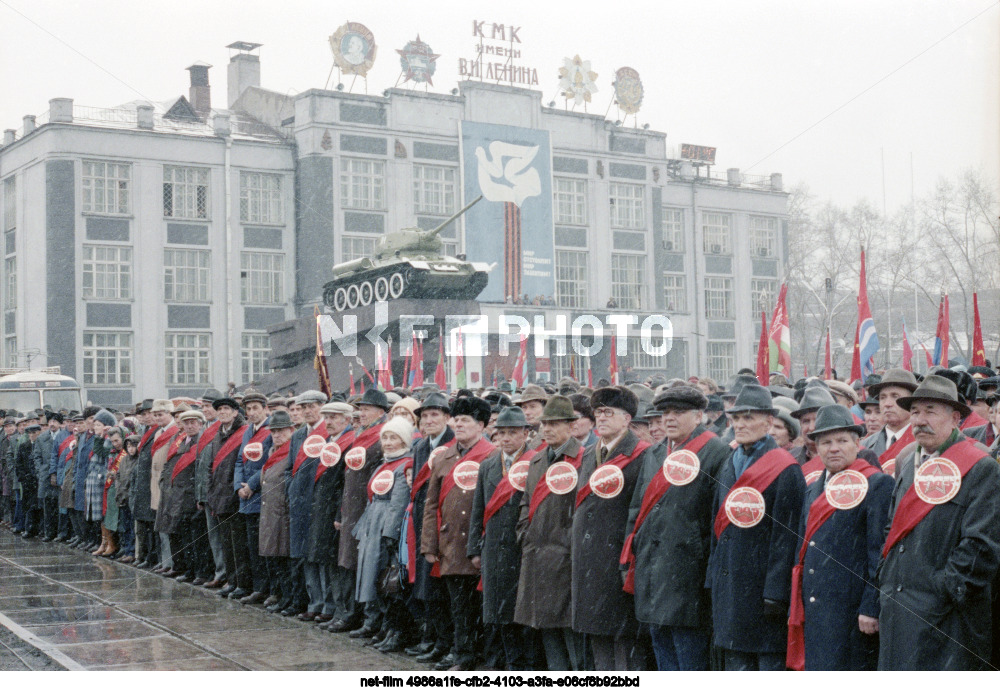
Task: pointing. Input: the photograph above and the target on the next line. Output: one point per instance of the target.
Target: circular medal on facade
(353, 46)
(434, 454)
(517, 476)
(466, 473)
(745, 507)
(681, 467)
(329, 455)
(313, 445)
(561, 477)
(628, 90)
(355, 458)
(253, 452)
(813, 476)
(846, 489)
(382, 482)
(889, 467)
(937, 481)
(607, 481)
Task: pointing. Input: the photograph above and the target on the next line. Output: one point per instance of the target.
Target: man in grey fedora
(896, 384)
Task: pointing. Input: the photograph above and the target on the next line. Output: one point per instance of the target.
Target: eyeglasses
(605, 412)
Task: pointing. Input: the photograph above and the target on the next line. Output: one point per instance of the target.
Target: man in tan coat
(162, 442)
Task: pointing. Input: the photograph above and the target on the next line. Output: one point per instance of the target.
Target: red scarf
(655, 490)
(897, 446)
(300, 457)
(114, 462)
(146, 437)
(504, 490)
(164, 439)
(278, 454)
(620, 461)
(258, 436)
(230, 445)
(480, 450)
(405, 462)
(912, 509)
(344, 441)
(411, 532)
(813, 466)
(759, 476)
(62, 448)
(972, 420)
(191, 455)
(425, 472)
(542, 488)
(819, 512)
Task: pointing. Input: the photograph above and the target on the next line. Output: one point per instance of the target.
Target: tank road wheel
(340, 299)
(366, 292)
(396, 285)
(353, 296)
(381, 289)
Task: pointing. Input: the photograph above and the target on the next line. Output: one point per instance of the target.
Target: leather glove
(775, 612)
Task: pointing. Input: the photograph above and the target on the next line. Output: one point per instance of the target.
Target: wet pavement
(91, 613)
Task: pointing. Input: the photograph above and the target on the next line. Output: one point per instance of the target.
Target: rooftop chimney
(9, 136)
(144, 116)
(244, 69)
(201, 93)
(733, 177)
(29, 124)
(60, 110)
(776, 182)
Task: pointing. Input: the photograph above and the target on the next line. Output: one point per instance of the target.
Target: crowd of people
(665, 524)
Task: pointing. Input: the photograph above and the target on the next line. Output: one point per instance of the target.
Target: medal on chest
(846, 489)
(681, 467)
(355, 458)
(937, 481)
(745, 507)
(813, 476)
(253, 452)
(517, 476)
(466, 473)
(607, 481)
(382, 482)
(330, 454)
(313, 445)
(889, 467)
(561, 478)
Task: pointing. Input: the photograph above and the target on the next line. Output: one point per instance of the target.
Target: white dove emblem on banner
(513, 182)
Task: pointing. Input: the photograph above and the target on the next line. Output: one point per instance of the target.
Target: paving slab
(225, 621)
(162, 649)
(14, 604)
(94, 631)
(199, 664)
(56, 615)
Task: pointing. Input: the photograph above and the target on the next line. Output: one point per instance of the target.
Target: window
(107, 357)
(762, 295)
(185, 192)
(189, 358)
(433, 190)
(721, 360)
(673, 229)
(449, 249)
(262, 278)
(357, 247)
(10, 294)
(716, 229)
(186, 275)
(562, 365)
(674, 293)
(10, 203)
(260, 198)
(639, 358)
(107, 272)
(10, 351)
(628, 280)
(571, 278)
(106, 187)
(763, 236)
(256, 348)
(570, 201)
(627, 205)
(718, 297)
(362, 184)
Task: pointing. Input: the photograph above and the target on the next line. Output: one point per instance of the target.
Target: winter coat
(299, 484)
(97, 471)
(249, 471)
(203, 467)
(25, 467)
(425, 587)
(322, 543)
(221, 498)
(159, 460)
(6, 467)
(355, 499)
(41, 455)
(672, 545)
(84, 445)
(139, 496)
(123, 485)
(382, 517)
(273, 540)
(178, 506)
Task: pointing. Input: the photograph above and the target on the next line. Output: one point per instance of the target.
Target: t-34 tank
(407, 263)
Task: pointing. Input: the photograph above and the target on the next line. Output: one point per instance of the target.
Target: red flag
(350, 369)
(907, 351)
(406, 368)
(978, 351)
(590, 375)
(927, 354)
(763, 357)
(828, 359)
(572, 366)
(460, 378)
(319, 362)
(805, 370)
(418, 376)
(440, 378)
(941, 335)
(865, 337)
(613, 365)
(520, 364)
(779, 338)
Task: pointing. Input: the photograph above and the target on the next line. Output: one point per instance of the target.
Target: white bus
(23, 390)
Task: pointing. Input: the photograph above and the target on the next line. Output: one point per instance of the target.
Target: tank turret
(407, 263)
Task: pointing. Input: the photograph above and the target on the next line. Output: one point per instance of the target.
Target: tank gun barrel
(434, 231)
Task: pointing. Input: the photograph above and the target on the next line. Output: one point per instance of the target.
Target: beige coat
(159, 461)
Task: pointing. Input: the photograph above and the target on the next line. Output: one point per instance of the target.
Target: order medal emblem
(253, 452)
(607, 481)
(382, 482)
(517, 476)
(330, 454)
(355, 458)
(846, 489)
(561, 477)
(466, 473)
(937, 481)
(313, 445)
(745, 507)
(681, 467)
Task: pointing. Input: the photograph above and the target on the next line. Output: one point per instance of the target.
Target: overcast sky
(744, 76)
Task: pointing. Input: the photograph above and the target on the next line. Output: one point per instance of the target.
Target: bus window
(62, 398)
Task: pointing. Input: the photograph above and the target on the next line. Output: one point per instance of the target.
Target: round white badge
(607, 481)
(937, 481)
(313, 445)
(253, 452)
(745, 507)
(889, 467)
(813, 477)
(681, 467)
(434, 454)
(466, 473)
(382, 482)
(517, 476)
(330, 454)
(846, 489)
(355, 458)
(561, 477)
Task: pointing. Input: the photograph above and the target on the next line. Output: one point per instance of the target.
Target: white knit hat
(401, 427)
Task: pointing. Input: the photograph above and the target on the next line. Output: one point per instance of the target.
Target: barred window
(673, 229)
(107, 357)
(570, 201)
(718, 297)
(762, 295)
(357, 247)
(262, 278)
(716, 229)
(10, 284)
(362, 184)
(186, 275)
(188, 357)
(185, 192)
(260, 198)
(106, 187)
(10, 203)
(628, 280)
(107, 272)
(763, 236)
(571, 278)
(721, 360)
(627, 205)
(674, 293)
(10, 351)
(639, 358)
(434, 190)
(256, 348)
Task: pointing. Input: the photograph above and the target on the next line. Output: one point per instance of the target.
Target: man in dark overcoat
(223, 501)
